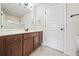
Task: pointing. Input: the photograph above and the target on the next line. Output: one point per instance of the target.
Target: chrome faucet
(27, 29)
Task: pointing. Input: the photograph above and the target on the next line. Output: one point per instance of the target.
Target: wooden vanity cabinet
(2, 46)
(20, 44)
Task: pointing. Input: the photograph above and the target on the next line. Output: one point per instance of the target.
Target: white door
(54, 30)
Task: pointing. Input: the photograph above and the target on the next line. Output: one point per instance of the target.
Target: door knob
(61, 29)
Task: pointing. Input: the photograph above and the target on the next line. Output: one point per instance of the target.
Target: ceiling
(14, 9)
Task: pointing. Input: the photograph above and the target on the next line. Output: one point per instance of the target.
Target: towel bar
(74, 15)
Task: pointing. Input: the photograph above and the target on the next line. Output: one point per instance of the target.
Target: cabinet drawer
(28, 35)
(11, 39)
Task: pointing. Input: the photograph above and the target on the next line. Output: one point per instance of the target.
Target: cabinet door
(2, 51)
(14, 45)
(28, 46)
(36, 41)
(12, 49)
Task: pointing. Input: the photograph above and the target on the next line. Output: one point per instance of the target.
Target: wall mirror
(17, 15)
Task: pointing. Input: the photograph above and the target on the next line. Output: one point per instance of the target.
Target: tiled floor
(46, 51)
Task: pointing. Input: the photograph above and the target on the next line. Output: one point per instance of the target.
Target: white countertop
(4, 32)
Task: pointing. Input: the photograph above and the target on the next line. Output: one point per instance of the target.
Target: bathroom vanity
(21, 44)
(12, 41)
